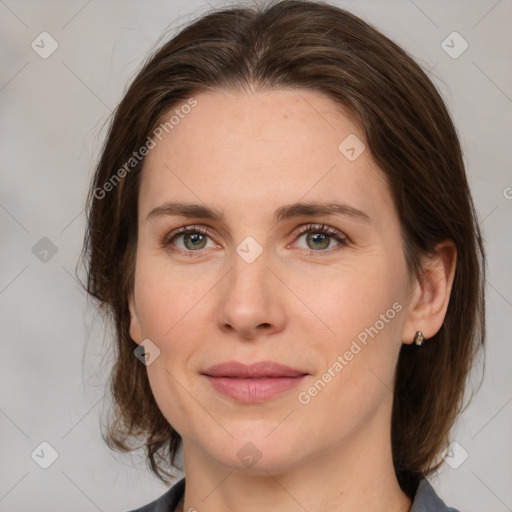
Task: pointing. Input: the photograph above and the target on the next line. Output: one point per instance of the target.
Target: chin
(256, 454)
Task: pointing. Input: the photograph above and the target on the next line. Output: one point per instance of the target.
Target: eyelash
(310, 228)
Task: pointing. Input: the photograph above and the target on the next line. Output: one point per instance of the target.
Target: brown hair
(302, 44)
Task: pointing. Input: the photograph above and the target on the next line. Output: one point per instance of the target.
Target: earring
(419, 338)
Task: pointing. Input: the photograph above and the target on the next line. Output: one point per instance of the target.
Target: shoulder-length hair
(411, 137)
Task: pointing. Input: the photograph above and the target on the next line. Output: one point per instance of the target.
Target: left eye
(318, 238)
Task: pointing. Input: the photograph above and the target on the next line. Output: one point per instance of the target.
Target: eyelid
(321, 228)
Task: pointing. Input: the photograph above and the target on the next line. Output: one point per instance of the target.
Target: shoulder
(427, 500)
(168, 501)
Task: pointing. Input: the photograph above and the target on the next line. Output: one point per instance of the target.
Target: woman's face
(332, 305)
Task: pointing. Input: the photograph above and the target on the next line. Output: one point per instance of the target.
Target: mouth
(253, 383)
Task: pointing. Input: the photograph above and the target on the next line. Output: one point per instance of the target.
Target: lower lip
(254, 389)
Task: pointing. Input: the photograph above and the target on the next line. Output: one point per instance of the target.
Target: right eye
(193, 239)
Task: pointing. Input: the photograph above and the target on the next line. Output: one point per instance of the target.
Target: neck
(356, 474)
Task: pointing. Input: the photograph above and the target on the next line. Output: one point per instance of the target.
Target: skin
(299, 303)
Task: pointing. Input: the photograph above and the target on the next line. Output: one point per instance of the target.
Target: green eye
(196, 240)
(319, 237)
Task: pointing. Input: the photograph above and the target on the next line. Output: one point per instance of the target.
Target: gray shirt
(425, 500)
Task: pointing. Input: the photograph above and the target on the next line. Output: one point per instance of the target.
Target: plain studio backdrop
(55, 96)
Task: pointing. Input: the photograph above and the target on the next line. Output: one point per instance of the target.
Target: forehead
(248, 148)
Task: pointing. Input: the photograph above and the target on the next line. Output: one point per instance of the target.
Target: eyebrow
(286, 212)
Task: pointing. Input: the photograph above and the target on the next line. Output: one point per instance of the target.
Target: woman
(281, 227)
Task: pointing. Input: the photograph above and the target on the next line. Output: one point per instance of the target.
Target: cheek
(167, 305)
(165, 298)
(356, 377)
(361, 314)
(343, 301)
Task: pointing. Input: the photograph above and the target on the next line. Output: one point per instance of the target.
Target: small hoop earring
(419, 338)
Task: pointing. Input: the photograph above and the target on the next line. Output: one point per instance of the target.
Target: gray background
(54, 359)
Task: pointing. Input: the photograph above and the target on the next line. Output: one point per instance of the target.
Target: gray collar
(425, 500)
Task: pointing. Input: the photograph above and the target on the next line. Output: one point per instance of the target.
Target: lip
(257, 382)
(255, 370)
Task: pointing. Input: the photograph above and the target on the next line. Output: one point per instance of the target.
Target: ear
(135, 327)
(431, 293)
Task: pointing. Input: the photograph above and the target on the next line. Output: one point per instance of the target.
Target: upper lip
(259, 369)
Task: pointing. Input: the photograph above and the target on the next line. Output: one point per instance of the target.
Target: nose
(251, 300)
